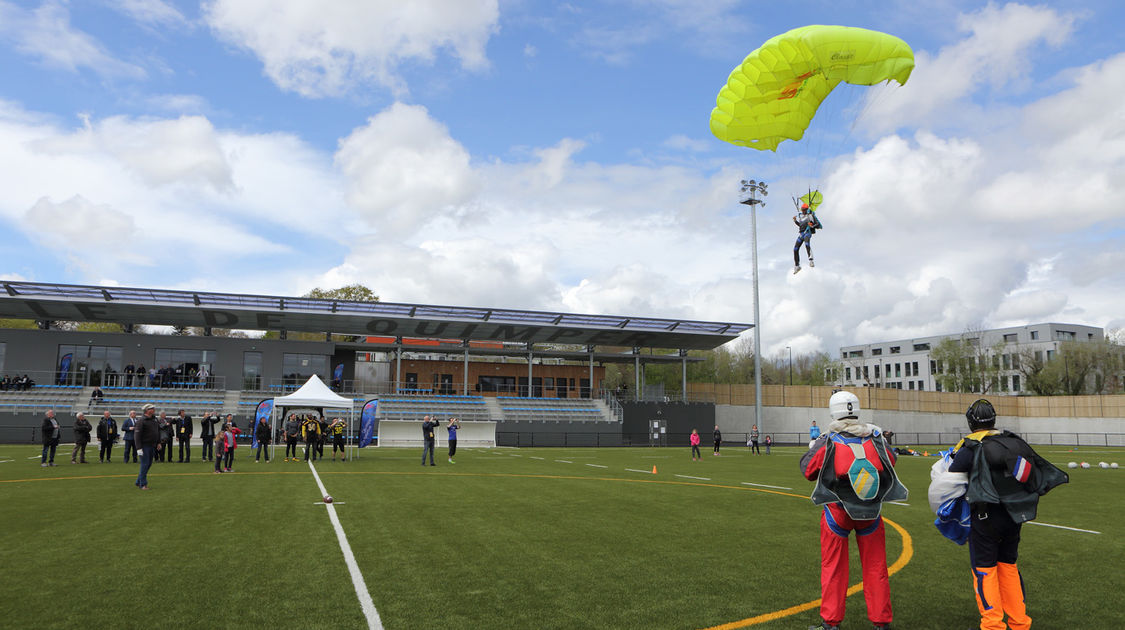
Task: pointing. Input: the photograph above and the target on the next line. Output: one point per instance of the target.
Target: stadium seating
(414, 407)
(557, 409)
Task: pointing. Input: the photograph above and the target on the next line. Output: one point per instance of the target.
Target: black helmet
(981, 415)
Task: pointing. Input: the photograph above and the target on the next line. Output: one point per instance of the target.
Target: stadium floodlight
(750, 191)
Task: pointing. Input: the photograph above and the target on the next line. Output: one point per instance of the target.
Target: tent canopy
(313, 393)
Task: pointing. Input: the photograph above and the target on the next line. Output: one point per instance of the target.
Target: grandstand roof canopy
(41, 301)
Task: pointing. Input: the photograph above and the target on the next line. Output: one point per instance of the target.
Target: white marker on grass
(373, 621)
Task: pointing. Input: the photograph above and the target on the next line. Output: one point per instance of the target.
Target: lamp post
(790, 349)
(750, 190)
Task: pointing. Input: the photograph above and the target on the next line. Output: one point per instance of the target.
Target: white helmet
(843, 405)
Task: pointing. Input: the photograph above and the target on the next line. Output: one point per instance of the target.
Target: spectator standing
(814, 431)
(185, 428)
(311, 429)
(854, 474)
(718, 439)
(230, 443)
(292, 434)
(452, 426)
(264, 435)
(129, 369)
(754, 435)
(336, 429)
(82, 431)
(428, 427)
(323, 426)
(218, 446)
(107, 435)
(694, 439)
(147, 437)
(769, 443)
(167, 434)
(51, 431)
(129, 428)
(207, 432)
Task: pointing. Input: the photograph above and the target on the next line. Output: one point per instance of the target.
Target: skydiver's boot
(811, 263)
(1011, 593)
(796, 268)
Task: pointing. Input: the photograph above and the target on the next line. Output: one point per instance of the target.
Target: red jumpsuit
(835, 526)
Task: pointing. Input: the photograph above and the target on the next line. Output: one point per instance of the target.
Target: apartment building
(906, 363)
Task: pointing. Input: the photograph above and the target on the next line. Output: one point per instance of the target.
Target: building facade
(907, 363)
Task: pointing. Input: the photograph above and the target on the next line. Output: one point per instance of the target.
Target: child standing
(769, 442)
(229, 444)
(695, 445)
(219, 443)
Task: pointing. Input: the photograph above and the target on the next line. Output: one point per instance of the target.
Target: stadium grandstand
(538, 376)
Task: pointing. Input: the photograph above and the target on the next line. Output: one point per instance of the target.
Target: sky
(557, 156)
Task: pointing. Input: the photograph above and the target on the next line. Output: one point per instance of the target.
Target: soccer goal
(472, 434)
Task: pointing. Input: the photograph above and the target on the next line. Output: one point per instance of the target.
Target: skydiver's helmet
(981, 415)
(843, 405)
(804, 207)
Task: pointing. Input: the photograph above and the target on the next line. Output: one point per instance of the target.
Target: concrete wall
(791, 425)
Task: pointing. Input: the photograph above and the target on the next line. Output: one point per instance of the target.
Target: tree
(965, 364)
(350, 293)
(1037, 377)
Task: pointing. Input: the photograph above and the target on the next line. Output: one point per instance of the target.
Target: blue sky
(557, 156)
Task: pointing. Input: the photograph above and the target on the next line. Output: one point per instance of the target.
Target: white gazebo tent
(314, 394)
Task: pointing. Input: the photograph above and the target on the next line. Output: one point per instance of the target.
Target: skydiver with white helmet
(807, 224)
(854, 474)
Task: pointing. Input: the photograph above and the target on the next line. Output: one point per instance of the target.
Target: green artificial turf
(505, 538)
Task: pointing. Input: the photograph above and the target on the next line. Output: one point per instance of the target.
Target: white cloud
(997, 52)
(45, 34)
(404, 170)
(150, 12)
(323, 49)
(75, 222)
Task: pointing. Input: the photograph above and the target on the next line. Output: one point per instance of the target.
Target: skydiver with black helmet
(1004, 478)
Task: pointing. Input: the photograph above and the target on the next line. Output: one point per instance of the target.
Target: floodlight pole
(750, 190)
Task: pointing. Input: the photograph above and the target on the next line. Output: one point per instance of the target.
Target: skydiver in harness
(807, 224)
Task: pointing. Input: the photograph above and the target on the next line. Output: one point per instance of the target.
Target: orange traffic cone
(654, 469)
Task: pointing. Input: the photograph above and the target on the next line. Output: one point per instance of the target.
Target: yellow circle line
(902, 560)
(899, 563)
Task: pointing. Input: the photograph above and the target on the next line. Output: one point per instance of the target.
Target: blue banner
(367, 423)
(64, 368)
(262, 414)
(338, 375)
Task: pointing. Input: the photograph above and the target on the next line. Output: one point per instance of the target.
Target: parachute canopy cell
(775, 92)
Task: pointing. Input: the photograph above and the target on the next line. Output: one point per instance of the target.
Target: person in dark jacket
(82, 431)
(128, 428)
(50, 430)
(207, 432)
(147, 438)
(264, 435)
(322, 424)
(1005, 478)
(184, 430)
(167, 434)
(292, 434)
(311, 429)
(107, 435)
(718, 439)
(428, 427)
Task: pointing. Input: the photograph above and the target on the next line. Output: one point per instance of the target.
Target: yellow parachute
(812, 199)
(775, 92)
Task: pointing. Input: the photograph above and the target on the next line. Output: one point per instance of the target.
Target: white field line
(534, 457)
(898, 503)
(38, 456)
(699, 478)
(647, 472)
(564, 461)
(516, 455)
(762, 485)
(1073, 529)
(333, 503)
(5, 461)
(373, 621)
(597, 466)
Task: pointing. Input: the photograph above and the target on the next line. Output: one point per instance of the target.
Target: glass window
(865, 373)
(876, 372)
(898, 370)
(876, 352)
(896, 349)
(907, 369)
(921, 385)
(847, 374)
(1016, 383)
(1010, 338)
(912, 385)
(1034, 335)
(88, 365)
(251, 370)
(1007, 361)
(915, 368)
(181, 367)
(919, 347)
(1064, 335)
(297, 368)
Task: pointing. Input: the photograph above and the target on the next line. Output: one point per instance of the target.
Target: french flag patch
(1022, 470)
